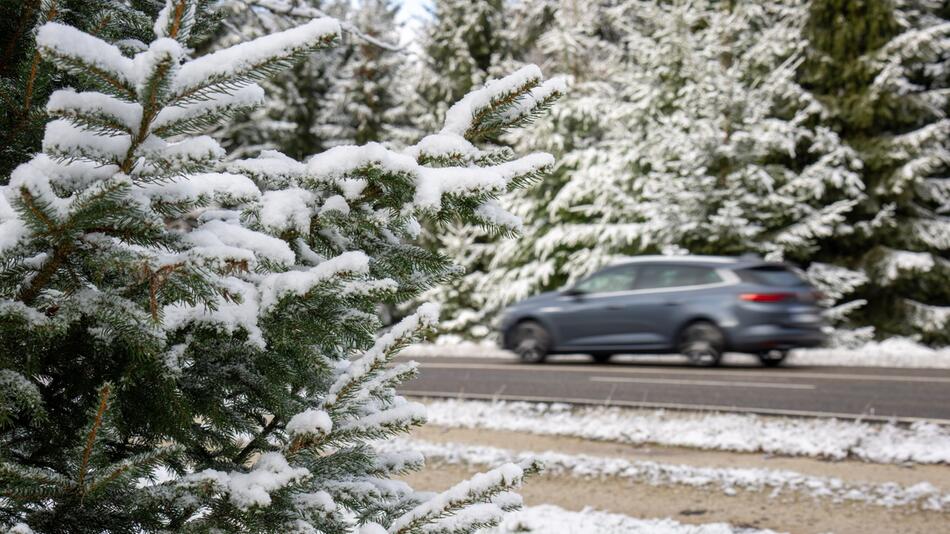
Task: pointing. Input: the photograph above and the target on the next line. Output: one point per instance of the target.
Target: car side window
(664, 276)
(616, 279)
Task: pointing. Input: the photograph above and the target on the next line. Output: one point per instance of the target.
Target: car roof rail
(686, 258)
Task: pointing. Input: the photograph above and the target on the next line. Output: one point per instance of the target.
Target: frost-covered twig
(470, 495)
(294, 9)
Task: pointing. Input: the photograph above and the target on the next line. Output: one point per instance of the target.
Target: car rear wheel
(703, 343)
(773, 358)
(600, 357)
(531, 342)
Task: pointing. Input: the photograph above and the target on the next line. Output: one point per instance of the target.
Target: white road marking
(779, 373)
(714, 383)
(670, 406)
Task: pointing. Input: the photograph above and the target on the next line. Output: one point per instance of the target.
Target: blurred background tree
(882, 68)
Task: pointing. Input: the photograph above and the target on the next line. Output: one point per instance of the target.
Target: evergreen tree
(26, 81)
(369, 102)
(881, 68)
(685, 132)
(464, 46)
(190, 345)
(351, 94)
(472, 41)
(288, 121)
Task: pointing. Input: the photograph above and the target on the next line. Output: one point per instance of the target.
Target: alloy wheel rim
(528, 348)
(701, 352)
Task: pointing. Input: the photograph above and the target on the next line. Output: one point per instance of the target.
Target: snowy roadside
(550, 519)
(729, 481)
(894, 352)
(456, 349)
(923, 443)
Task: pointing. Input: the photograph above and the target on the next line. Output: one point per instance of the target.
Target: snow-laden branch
(467, 495)
(271, 473)
(294, 9)
(250, 60)
(345, 167)
(362, 371)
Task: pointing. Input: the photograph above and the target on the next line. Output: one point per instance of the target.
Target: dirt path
(788, 512)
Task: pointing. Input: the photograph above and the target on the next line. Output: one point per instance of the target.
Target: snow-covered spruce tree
(472, 42)
(464, 44)
(882, 69)
(350, 94)
(369, 102)
(191, 348)
(747, 166)
(685, 131)
(26, 81)
(297, 96)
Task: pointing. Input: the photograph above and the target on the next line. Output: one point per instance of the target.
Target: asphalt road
(871, 393)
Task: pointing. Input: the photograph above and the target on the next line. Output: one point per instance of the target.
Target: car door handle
(614, 306)
(672, 303)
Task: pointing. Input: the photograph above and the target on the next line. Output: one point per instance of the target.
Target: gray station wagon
(699, 306)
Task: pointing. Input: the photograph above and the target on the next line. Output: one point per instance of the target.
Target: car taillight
(767, 297)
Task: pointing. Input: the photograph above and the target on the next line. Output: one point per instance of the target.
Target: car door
(592, 314)
(666, 294)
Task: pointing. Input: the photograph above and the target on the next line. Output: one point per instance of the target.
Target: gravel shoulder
(788, 512)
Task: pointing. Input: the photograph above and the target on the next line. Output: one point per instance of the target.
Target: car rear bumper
(766, 337)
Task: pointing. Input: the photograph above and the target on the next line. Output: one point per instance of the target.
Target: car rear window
(773, 275)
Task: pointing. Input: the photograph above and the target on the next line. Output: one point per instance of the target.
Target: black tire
(601, 357)
(531, 342)
(772, 358)
(703, 343)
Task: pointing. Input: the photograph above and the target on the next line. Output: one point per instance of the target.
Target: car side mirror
(574, 292)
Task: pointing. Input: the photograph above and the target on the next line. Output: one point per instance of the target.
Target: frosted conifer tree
(882, 69)
(472, 42)
(26, 81)
(685, 132)
(369, 102)
(190, 345)
(298, 96)
(464, 44)
(351, 94)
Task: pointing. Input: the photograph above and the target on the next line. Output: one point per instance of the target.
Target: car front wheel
(531, 342)
(703, 343)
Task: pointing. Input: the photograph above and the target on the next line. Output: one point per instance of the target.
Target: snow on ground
(822, 438)
(728, 480)
(550, 519)
(894, 352)
(462, 349)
